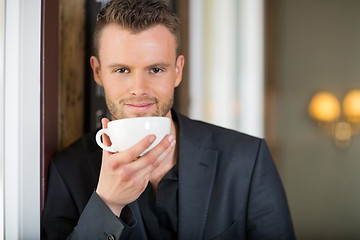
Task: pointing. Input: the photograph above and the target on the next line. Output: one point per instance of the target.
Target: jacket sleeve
(62, 220)
(268, 213)
(98, 222)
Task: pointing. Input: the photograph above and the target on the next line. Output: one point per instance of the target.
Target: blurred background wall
(316, 47)
(226, 63)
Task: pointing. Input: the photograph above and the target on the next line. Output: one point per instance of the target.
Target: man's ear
(95, 65)
(179, 69)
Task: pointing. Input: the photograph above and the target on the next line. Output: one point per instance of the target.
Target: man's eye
(122, 70)
(156, 70)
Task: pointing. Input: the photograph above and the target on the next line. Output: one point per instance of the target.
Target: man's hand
(125, 175)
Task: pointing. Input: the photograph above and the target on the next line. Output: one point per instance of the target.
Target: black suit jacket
(228, 189)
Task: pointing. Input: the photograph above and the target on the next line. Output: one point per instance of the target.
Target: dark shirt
(160, 212)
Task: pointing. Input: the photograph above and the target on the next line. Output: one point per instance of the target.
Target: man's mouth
(139, 106)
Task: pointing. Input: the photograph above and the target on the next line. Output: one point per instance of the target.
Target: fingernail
(172, 141)
(152, 138)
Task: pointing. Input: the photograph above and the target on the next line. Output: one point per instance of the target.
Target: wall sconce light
(340, 121)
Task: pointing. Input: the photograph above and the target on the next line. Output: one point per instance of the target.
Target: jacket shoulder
(217, 136)
(81, 149)
(80, 162)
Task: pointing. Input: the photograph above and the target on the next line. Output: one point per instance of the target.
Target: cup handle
(100, 143)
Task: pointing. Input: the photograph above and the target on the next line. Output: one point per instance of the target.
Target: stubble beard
(117, 109)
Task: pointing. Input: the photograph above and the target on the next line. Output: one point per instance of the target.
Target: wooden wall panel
(183, 90)
(71, 71)
(62, 79)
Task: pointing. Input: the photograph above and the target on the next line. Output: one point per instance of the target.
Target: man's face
(138, 71)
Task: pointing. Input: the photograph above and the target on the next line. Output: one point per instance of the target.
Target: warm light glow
(351, 106)
(324, 107)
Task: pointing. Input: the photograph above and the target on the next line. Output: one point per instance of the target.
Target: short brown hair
(137, 15)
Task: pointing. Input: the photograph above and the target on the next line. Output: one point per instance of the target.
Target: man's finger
(134, 152)
(168, 141)
(105, 138)
(156, 154)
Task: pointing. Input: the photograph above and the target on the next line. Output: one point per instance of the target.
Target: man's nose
(139, 85)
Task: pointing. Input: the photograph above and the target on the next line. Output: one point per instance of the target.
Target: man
(200, 182)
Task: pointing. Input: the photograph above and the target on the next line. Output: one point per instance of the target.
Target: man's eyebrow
(117, 65)
(165, 65)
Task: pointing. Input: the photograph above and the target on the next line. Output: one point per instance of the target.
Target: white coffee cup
(125, 133)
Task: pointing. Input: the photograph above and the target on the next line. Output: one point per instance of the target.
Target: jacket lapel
(197, 169)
